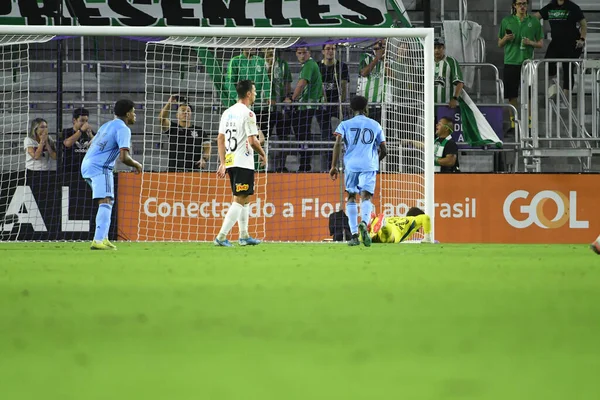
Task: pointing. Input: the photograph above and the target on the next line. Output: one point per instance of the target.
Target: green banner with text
(259, 13)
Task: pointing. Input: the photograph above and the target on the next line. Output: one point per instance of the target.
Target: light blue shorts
(102, 185)
(357, 182)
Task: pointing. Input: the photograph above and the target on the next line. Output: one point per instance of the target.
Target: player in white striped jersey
(448, 76)
(238, 140)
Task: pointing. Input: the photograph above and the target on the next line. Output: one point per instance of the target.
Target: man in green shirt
(281, 88)
(519, 34)
(448, 76)
(309, 89)
(250, 66)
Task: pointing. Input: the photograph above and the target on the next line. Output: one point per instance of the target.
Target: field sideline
(299, 322)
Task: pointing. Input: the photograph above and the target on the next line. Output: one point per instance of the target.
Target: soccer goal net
(181, 85)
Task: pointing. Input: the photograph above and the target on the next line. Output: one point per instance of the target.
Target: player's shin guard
(243, 221)
(352, 211)
(102, 221)
(366, 207)
(233, 214)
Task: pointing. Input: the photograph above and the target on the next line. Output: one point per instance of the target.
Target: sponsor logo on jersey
(241, 187)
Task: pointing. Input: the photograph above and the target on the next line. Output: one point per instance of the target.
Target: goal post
(178, 205)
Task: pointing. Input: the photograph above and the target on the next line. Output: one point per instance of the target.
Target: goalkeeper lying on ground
(398, 229)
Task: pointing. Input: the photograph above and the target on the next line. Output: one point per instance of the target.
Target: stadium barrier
(470, 208)
(46, 205)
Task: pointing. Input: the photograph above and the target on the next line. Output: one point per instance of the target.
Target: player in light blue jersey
(364, 141)
(112, 140)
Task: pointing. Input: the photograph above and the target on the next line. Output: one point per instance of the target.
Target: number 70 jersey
(362, 137)
(238, 123)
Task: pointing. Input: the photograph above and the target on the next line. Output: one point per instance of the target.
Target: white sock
(230, 219)
(243, 222)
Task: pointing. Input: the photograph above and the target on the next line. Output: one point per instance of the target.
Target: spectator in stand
(448, 76)
(309, 89)
(281, 88)
(567, 39)
(519, 34)
(40, 163)
(189, 147)
(40, 149)
(250, 66)
(335, 76)
(371, 78)
(445, 150)
(76, 142)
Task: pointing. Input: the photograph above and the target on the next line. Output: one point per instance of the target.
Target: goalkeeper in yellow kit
(398, 229)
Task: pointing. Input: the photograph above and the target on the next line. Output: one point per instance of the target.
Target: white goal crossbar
(424, 35)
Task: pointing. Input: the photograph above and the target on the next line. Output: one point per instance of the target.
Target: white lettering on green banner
(259, 13)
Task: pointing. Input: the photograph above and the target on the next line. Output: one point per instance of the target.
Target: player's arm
(382, 151)
(126, 159)
(424, 221)
(254, 142)
(221, 152)
(124, 142)
(165, 123)
(337, 150)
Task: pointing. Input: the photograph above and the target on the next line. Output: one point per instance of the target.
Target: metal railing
(498, 82)
(463, 8)
(566, 122)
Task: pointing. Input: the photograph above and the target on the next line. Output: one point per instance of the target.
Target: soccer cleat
(222, 243)
(249, 241)
(107, 243)
(100, 246)
(354, 241)
(364, 234)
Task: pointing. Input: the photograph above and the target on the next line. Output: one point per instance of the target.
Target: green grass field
(293, 321)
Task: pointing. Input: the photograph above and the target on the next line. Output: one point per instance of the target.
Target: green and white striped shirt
(447, 76)
(372, 86)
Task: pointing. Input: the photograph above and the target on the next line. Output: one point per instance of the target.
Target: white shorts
(102, 185)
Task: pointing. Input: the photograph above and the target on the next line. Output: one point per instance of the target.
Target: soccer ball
(595, 246)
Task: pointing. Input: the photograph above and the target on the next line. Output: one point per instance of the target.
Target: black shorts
(512, 81)
(242, 180)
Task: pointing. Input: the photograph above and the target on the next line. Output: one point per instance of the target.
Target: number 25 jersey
(238, 123)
